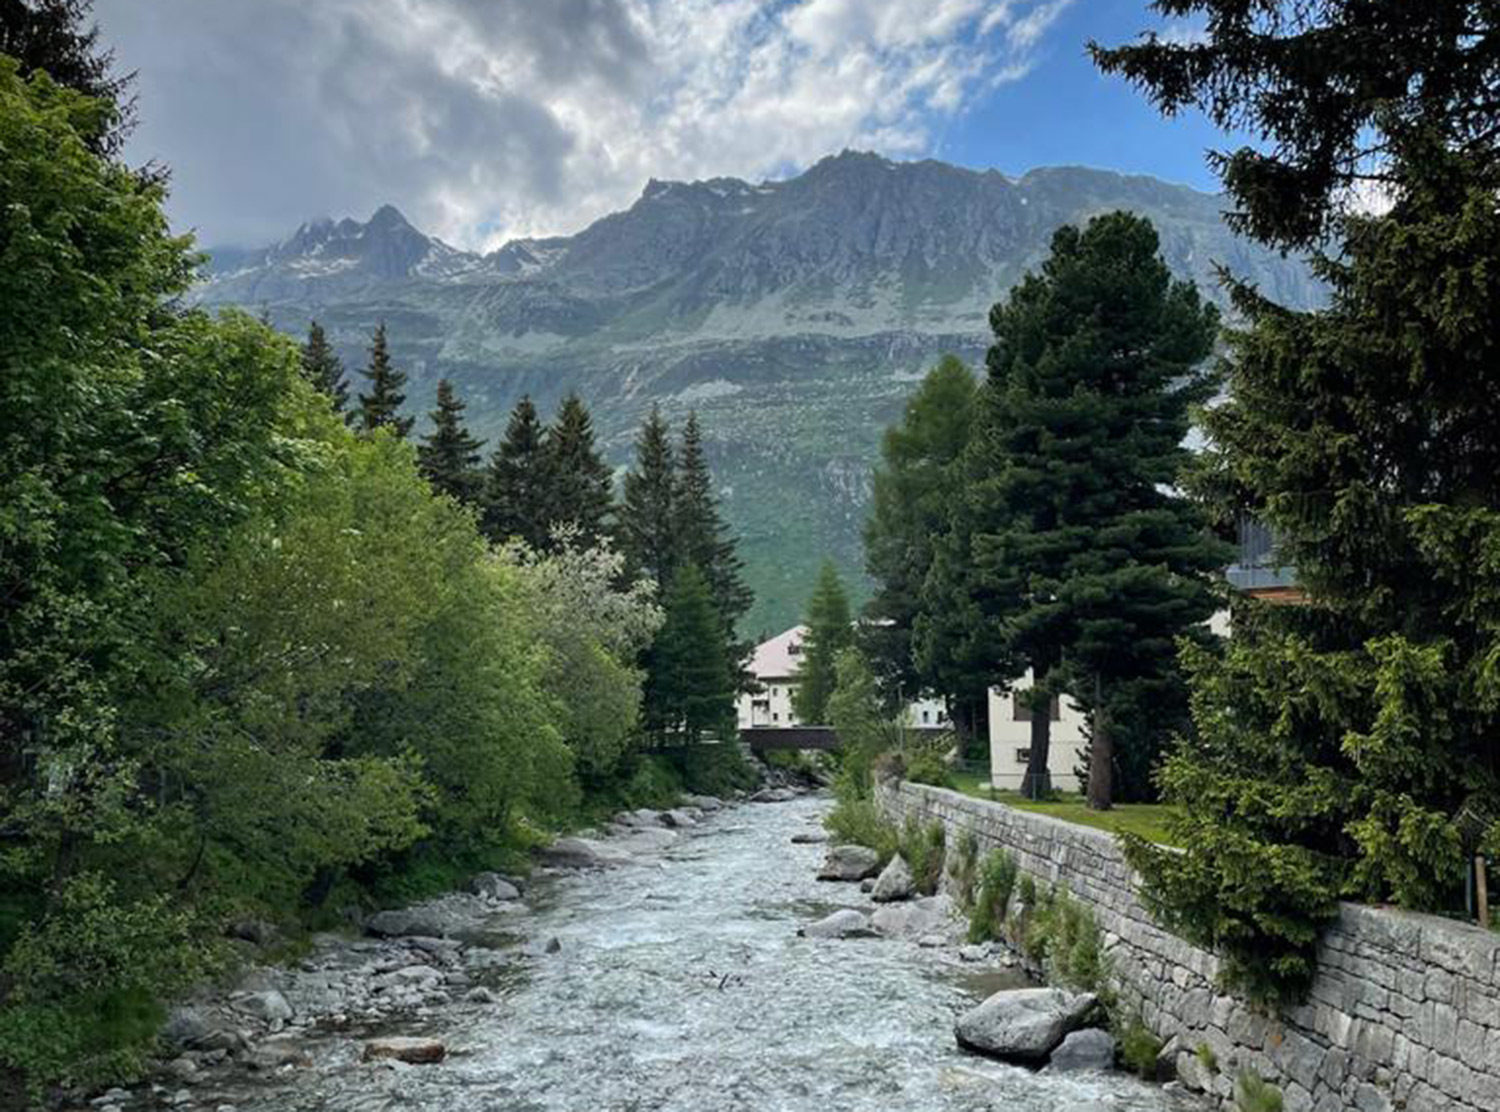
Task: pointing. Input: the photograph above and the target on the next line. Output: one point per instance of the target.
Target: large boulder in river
(679, 817)
(895, 882)
(405, 1048)
(932, 915)
(1023, 1024)
(495, 886)
(847, 923)
(581, 853)
(703, 802)
(773, 795)
(1089, 1049)
(849, 863)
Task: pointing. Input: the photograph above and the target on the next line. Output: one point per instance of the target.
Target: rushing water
(682, 986)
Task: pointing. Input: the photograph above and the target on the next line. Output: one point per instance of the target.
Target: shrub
(1139, 1047)
(1253, 1093)
(1207, 1058)
(926, 766)
(924, 851)
(997, 880)
(1075, 945)
(859, 821)
(717, 770)
(961, 868)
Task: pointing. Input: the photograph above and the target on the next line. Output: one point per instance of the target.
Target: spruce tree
(449, 456)
(580, 484)
(381, 407)
(322, 368)
(60, 38)
(648, 519)
(705, 540)
(1348, 746)
(830, 630)
(914, 487)
(1095, 567)
(690, 685)
(516, 498)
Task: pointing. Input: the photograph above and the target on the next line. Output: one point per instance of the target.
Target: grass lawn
(1146, 819)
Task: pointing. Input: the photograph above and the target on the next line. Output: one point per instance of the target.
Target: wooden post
(1481, 892)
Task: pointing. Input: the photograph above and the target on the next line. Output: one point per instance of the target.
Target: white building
(775, 667)
(1010, 738)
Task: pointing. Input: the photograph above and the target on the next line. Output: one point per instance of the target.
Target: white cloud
(485, 119)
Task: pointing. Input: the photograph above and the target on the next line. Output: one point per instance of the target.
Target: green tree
(323, 369)
(705, 540)
(690, 687)
(381, 407)
(580, 485)
(1346, 746)
(914, 487)
(830, 630)
(648, 518)
(449, 455)
(1094, 567)
(515, 484)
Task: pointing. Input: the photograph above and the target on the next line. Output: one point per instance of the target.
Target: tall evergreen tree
(705, 540)
(516, 500)
(321, 367)
(381, 407)
(648, 518)
(60, 38)
(1095, 567)
(690, 684)
(1351, 745)
(915, 486)
(830, 630)
(449, 456)
(580, 484)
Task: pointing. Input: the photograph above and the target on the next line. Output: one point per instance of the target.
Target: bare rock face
(849, 863)
(894, 883)
(417, 1051)
(1023, 1025)
(847, 923)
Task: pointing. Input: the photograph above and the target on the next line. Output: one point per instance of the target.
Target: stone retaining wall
(1404, 1012)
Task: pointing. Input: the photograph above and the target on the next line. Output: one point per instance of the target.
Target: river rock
(847, 923)
(1023, 1024)
(849, 863)
(650, 840)
(773, 795)
(932, 915)
(678, 817)
(581, 853)
(270, 1006)
(403, 1048)
(1089, 1049)
(187, 1026)
(708, 803)
(495, 886)
(809, 838)
(642, 818)
(404, 922)
(895, 882)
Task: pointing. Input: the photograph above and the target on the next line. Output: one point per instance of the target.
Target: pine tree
(705, 541)
(322, 368)
(1094, 567)
(516, 499)
(914, 487)
(830, 630)
(580, 484)
(59, 37)
(648, 519)
(1348, 746)
(449, 456)
(381, 407)
(690, 685)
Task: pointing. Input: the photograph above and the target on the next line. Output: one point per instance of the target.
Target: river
(681, 985)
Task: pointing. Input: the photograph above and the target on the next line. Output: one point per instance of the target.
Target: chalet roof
(778, 659)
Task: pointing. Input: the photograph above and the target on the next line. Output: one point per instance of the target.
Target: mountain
(794, 316)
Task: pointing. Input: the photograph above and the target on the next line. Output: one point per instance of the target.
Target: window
(775, 717)
(1023, 756)
(926, 717)
(794, 649)
(1021, 712)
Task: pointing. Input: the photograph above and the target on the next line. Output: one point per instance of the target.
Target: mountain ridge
(794, 315)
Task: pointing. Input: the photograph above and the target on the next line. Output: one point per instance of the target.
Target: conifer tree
(1348, 746)
(60, 38)
(321, 367)
(704, 539)
(449, 456)
(648, 518)
(1094, 567)
(690, 685)
(830, 630)
(516, 498)
(580, 486)
(914, 488)
(381, 407)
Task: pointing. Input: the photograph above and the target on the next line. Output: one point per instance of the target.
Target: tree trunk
(1037, 783)
(1101, 755)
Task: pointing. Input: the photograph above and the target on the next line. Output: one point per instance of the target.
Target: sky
(486, 120)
